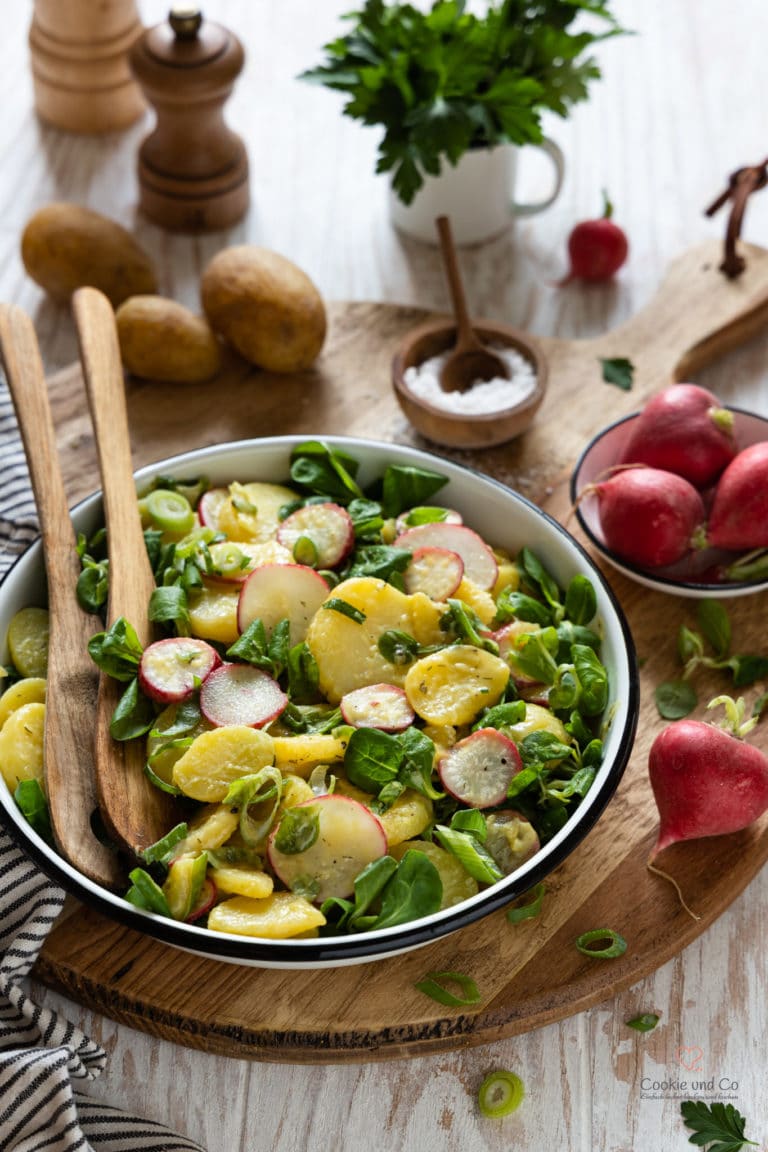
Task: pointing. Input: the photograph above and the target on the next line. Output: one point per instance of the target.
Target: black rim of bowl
(404, 937)
(661, 582)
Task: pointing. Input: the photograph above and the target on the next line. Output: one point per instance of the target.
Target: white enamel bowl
(694, 576)
(504, 518)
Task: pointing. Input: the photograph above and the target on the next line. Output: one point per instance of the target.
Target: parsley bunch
(444, 81)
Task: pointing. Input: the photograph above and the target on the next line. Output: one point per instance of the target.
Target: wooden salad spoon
(470, 360)
(135, 811)
(72, 677)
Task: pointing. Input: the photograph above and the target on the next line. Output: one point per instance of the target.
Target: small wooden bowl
(460, 429)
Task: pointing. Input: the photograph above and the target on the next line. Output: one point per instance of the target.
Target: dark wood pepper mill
(193, 170)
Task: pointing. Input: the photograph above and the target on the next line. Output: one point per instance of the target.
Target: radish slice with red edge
(434, 571)
(274, 592)
(348, 837)
(171, 669)
(210, 505)
(479, 769)
(204, 902)
(480, 564)
(241, 694)
(329, 527)
(383, 706)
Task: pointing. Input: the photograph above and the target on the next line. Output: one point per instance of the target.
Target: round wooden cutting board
(528, 974)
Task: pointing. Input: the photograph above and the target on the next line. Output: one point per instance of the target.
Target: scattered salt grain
(484, 396)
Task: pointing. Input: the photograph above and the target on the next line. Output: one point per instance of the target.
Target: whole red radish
(738, 518)
(683, 429)
(596, 248)
(706, 781)
(649, 516)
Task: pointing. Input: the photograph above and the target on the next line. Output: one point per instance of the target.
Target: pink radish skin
(738, 518)
(648, 516)
(480, 564)
(171, 669)
(205, 901)
(705, 782)
(241, 694)
(382, 706)
(479, 769)
(434, 571)
(683, 429)
(596, 248)
(349, 837)
(210, 505)
(328, 526)
(451, 517)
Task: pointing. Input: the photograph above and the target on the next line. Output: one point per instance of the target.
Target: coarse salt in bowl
(483, 416)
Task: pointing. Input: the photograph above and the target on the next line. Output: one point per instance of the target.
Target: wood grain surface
(527, 975)
(678, 109)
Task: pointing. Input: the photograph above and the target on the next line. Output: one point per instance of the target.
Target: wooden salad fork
(135, 811)
(72, 677)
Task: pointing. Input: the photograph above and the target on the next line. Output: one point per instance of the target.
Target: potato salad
(367, 711)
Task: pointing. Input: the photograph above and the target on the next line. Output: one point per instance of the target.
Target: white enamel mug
(478, 194)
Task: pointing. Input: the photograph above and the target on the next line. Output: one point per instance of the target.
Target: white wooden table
(679, 108)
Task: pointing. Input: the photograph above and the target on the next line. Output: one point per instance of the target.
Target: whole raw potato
(163, 340)
(66, 246)
(265, 306)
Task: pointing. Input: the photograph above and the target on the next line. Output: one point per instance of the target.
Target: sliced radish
(241, 694)
(328, 528)
(349, 837)
(381, 706)
(478, 770)
(434, 571)
(427, 515)
(210, 506)
(274, 592)
(480, 564)
(205, 901)
(171, 669)
(508, 638)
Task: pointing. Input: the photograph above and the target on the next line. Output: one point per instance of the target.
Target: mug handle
(558, 160)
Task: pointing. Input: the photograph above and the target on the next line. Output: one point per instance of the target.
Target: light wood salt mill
(193, 169)
(79, 59)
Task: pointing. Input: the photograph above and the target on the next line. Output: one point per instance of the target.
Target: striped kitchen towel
(43, 1057)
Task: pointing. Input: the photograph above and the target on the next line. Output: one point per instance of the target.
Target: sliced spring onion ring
(305, 552)
(500, 1093)
(170, 510)
(434, 983)
(617, 946)
(528, 911)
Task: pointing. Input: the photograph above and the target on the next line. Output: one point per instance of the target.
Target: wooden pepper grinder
(193, 170)
(79, 58)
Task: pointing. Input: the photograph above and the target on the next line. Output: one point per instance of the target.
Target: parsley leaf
(618, 371)
(720, 1126)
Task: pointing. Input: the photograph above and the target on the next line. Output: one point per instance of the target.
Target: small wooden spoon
(470, 360)
(70, 714)
(135, 812)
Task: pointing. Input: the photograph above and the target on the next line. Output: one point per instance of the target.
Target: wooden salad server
(470, 359)
(70, 713)
(135, 811)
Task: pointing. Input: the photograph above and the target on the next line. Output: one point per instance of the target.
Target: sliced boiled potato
(239, 880)
(31, 690)
(210, 828)
(162, 759)
(453, 685)
(478, 599)
(277, 917)
(537, 719)
(508, 576)
(458, 885)
(213, 612)
(347, 651)
(253, 511)
(216, 758)
(21, 745)
(300, 754)
(295, 791)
